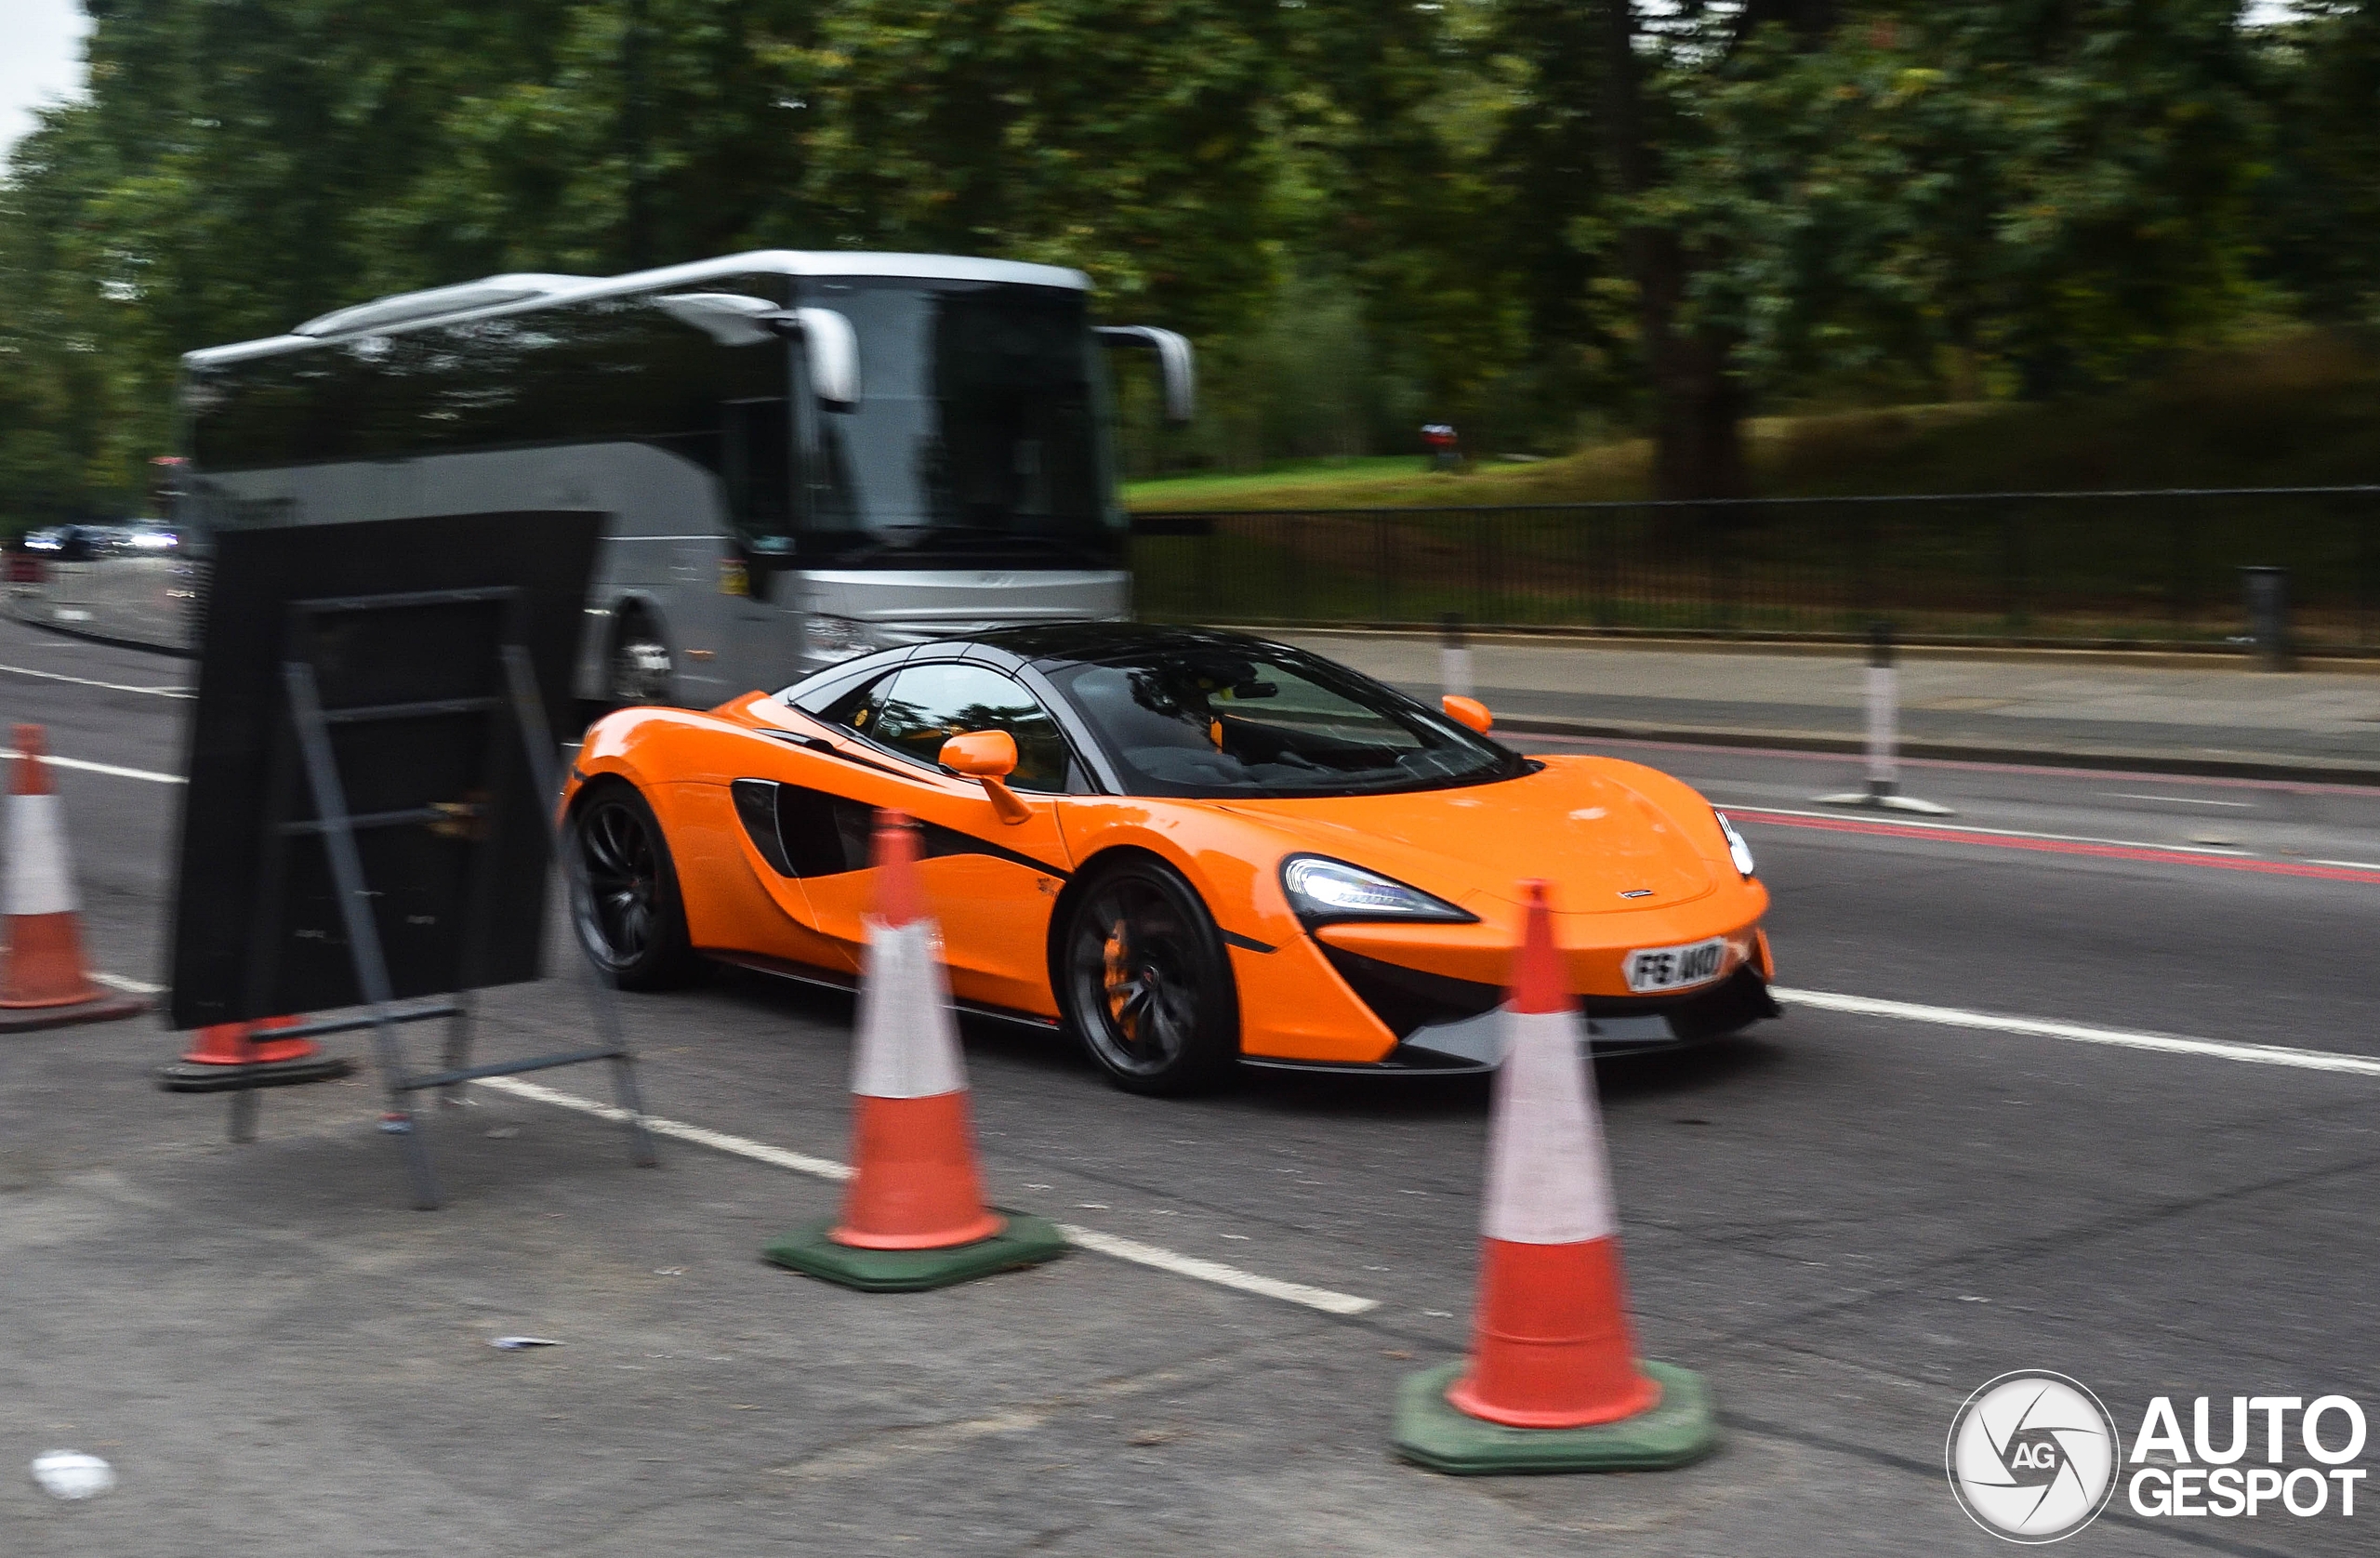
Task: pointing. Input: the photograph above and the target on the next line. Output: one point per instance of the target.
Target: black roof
(1048, 645)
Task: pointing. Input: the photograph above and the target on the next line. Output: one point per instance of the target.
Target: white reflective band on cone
(38, 881)
(907, 1045)
(1548, 1182)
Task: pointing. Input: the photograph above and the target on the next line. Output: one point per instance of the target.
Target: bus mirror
(1174, 361)
(729, 318)
(834, 356)
(732, 318)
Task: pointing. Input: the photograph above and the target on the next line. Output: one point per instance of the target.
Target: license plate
(1667, 968)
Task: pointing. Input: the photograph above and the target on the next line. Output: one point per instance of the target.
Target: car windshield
(1260, 720)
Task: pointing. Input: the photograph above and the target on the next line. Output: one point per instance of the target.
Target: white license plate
(1667, 968)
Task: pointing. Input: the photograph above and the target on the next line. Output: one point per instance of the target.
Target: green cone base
(1026, 1241)
(1429, 1432)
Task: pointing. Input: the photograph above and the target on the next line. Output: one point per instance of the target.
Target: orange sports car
(1195, 849)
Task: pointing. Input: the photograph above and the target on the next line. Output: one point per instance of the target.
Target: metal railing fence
(2085, 568)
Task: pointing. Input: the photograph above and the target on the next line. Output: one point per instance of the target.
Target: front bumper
(1446, 1026)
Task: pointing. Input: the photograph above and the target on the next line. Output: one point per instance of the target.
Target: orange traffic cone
(1553, 1382)
(914, 1217)
(43, 984)
(205, 1066)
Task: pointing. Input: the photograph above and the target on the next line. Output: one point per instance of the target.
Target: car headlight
(1322, 890)
(1738, 851)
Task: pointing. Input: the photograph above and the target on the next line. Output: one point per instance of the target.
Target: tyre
(624, 903)
(640, 665)
(1145, 980)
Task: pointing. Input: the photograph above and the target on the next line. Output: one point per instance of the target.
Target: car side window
(928, 704)
(856, 710)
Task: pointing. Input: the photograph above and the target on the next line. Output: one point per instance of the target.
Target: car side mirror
(1467, 711)
(989, 757)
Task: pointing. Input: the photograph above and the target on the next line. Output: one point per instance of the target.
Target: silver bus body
(802, 457)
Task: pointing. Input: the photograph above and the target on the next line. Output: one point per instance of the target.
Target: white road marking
(80, 766)
(2350, 864)
(717, 1141)
(2176, 800)
(130, 987)
(1217, 1272)
(109, 686)
(2172, 1044)
(1754, 810)
(1133, 1250)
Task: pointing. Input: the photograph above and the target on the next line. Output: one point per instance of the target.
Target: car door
(991, 884)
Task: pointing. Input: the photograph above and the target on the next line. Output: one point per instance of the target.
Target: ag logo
(2032, 1457)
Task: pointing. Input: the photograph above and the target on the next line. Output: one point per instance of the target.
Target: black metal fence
(2129, 569)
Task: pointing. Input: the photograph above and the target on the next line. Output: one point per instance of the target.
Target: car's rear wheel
(1147, 982)
(624, 904)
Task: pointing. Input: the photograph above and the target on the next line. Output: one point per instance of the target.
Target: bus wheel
(639, 670)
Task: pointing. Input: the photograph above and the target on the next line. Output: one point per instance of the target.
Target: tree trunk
(1698, 439)
(1697, 424)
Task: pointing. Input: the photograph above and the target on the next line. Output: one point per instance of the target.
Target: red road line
(2050, 771)
(2055, 845)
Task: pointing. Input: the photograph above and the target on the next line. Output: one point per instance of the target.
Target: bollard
(1883, 745)
(1454, 657)
(2266, 590)
(1884, 712)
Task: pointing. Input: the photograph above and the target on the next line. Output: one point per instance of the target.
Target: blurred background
(1677, 249)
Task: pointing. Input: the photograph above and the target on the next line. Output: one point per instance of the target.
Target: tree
(2044, 192)
(2318, 216)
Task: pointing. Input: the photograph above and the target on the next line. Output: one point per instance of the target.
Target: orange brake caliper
(1118, 978)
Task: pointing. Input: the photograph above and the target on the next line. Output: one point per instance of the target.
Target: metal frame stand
(307, 730)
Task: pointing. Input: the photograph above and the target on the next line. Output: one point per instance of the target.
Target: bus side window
(759, 474)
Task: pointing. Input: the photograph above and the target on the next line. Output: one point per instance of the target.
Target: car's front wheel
(624, 903)
(1146, 982)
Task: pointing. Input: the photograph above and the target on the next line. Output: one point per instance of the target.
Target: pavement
(2187, 714)
(1847, 1222)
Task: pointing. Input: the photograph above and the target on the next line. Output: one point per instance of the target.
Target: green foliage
(1370, 215)
(2024, 195)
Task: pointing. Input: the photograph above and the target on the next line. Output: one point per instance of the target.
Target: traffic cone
(43, 984)
(231, 1055)
(1553, 1382)
(914, 1217)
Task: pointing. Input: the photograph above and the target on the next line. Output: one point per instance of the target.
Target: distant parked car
(83, 543)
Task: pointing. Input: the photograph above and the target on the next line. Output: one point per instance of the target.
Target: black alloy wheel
(624, 903)
(1147, 982)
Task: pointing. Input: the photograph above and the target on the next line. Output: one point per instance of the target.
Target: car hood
(1588, 831)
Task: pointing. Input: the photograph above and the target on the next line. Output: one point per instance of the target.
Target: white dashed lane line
(109, 686)
(1193, 1266)
(1329, 1302)
(2077, 1033)
(80, 766)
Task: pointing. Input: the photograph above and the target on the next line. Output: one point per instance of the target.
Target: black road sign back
(256, 927)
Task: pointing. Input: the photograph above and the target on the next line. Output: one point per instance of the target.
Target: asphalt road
(1846, 1222)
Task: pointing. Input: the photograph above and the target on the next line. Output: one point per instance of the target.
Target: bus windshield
(977, 437)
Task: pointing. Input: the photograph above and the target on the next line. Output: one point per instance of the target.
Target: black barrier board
(252, 939)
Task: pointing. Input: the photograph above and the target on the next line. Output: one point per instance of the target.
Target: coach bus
(802, 457)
